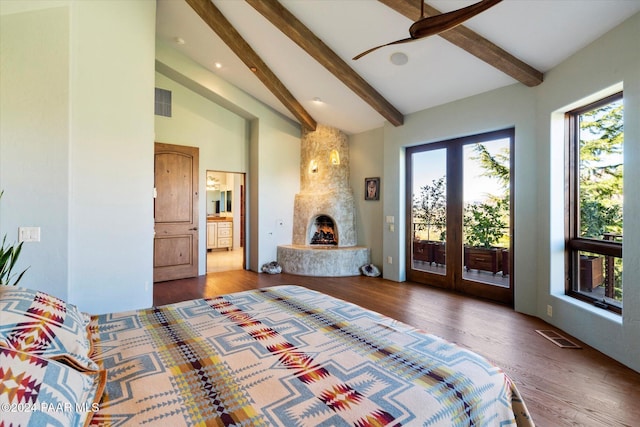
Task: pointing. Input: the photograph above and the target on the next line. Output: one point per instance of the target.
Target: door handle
(193, 229)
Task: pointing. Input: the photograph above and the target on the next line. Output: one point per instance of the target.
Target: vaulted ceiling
(296, 55)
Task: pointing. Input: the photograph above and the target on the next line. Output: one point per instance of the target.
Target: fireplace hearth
(324, 231)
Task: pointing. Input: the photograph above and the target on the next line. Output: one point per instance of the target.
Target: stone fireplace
(324, 231)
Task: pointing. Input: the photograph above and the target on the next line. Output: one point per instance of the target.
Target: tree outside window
(430, 210)
(595, 202)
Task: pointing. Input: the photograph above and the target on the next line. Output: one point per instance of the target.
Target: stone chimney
(324, 229)
(324, 187)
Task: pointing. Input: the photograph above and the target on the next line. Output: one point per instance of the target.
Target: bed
(279, 356)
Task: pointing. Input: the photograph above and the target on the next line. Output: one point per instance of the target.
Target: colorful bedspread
(290, 356)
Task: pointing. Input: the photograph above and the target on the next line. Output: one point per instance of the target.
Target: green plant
(484, 224)
(8, 257)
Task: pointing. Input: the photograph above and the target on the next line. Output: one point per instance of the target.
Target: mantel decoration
(8, 257)
(372, 188)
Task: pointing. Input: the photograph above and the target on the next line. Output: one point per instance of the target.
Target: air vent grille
(557, 339)
(163, 102)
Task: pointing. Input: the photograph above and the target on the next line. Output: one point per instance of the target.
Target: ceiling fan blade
(382, 45)
(432, 25)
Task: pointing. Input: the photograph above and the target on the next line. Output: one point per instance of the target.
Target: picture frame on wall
(372, 188)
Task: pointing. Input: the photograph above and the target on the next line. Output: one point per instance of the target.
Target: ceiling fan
(431, 25)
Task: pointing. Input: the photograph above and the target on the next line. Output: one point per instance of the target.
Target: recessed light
(317, 100)
(217, 65)
(179, 40)
(399, 58)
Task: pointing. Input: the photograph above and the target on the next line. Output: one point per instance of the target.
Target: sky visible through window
(431, 165)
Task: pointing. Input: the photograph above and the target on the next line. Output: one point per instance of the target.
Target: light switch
(28, 234)
(390, 219)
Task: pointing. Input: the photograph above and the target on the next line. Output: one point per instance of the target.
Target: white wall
(366, 161)
(278, 183)
(111, 154)
(539, 211)
(34, 139)
(78, 148)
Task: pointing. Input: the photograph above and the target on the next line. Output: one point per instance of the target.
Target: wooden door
(175, 246)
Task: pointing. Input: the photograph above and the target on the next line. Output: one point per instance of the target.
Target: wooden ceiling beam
(473, 43)
(212, 16)
(291, 26)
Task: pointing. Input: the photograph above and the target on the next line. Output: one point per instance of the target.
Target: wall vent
(163, 102)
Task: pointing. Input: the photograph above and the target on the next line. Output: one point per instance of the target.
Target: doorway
(225, 207)
(459, 207)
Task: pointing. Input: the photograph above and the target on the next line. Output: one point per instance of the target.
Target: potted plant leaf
(9, 254)
(484, 227)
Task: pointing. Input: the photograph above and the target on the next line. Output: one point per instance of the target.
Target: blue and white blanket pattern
(290, 356)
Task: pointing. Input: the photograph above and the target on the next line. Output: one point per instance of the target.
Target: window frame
(574, 243)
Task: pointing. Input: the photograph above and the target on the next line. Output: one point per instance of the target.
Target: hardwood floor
(561, 387)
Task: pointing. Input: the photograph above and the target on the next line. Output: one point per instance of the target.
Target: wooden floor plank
(561, 387)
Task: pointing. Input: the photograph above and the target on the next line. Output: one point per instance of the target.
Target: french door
(459, 208)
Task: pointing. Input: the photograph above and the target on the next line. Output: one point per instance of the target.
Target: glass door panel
(486, 212)
(429, 211)
(458, 205)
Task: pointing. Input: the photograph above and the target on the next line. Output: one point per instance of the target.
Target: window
(594, 203)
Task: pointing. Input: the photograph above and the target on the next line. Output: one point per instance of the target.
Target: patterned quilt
(290, 356)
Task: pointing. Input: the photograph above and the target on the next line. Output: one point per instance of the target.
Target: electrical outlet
(549, 311)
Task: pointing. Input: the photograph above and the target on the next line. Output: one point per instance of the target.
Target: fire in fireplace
(325, 231)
